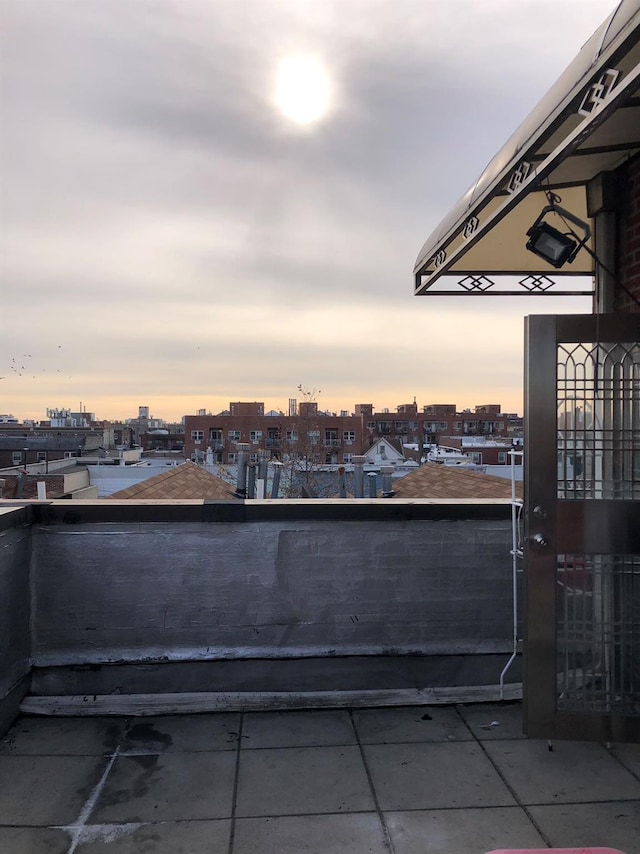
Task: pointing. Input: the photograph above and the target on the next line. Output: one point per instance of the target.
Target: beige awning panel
(588, 122)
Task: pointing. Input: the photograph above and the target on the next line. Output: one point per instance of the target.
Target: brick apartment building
(327, 438)
(438, 421)
(334, 439)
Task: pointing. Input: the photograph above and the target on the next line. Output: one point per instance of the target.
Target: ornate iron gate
(582, 527)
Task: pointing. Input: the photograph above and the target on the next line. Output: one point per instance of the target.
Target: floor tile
(41, 790)
(179, 837)
(573, 771)
(33, 840)
(628, 755)
(489, 721)
(55, 736)
(310, 834)
(170, 734)
(297, 729)
(431, 776)
(611, 825)
(296, 780)
(469, 831)
(410, 724)
(170, 787)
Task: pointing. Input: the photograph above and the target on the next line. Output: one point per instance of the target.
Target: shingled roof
(186, 481)
(433, 480)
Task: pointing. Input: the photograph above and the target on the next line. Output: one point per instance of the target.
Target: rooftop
(440, 779)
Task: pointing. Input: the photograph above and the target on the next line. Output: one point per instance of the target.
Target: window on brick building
(292, 435)
(234, 435)
(16, 458)
(502, 458)
(197, 435)
(348, 437)
(255, 435)
(232, 458)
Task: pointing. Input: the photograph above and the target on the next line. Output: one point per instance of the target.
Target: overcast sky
(171, 238)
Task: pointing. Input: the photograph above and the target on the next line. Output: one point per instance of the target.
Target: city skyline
(183, 223)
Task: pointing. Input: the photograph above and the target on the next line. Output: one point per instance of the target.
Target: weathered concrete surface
(188, 591)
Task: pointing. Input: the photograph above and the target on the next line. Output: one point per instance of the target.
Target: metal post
(373, 490)
(343, 482)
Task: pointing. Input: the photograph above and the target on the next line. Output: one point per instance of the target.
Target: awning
(587, 123)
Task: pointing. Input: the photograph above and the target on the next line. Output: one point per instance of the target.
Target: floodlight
(556, 247)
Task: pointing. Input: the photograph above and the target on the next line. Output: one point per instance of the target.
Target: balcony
(262, 676)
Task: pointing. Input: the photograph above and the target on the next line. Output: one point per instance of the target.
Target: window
(69, 455)
(371, 425)
(234, 435)
(215, 435)
(457, 425)
(255, 435)
(197, 435)
(292, 435)
(17, 458)
(42, 456)
(443, 426)
(502, 458)
(500, 426)
(232, 458)
(253, 458)
(313, 436)
(476, 456)
(348, 437)
(347, 457)
(330, 438)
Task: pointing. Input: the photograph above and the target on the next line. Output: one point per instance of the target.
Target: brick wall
(55, 485)
(629, 236)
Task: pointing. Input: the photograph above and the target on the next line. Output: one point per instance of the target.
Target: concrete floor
(436, 780)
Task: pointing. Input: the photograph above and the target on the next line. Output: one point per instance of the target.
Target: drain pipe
(243, 449)
(358, 476)
(387, 488)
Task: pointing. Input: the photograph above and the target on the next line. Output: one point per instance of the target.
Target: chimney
(243, 449)
(387, 488)
(275, 485)
(358, 475)
(343, 482)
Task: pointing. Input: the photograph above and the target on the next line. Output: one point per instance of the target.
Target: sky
(205, 201)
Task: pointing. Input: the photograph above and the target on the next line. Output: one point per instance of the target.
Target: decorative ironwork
(440, 258)
(598, 92)
(536, 284)
(598, 643)
(598, 421)
(470, 227)
(476, 283)
(518, 176)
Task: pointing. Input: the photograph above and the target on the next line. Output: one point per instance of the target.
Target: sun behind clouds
(302, 89)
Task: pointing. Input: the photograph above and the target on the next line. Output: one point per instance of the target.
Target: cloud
(153, 197)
